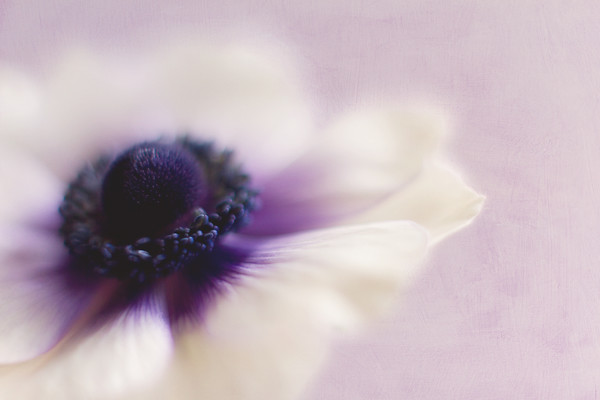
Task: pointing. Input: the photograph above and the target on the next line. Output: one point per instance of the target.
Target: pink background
(508, 308)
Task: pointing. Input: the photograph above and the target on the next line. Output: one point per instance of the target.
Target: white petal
(20, 103)
(267, 337)
(361, 266)
(356, 164)
(38, 301)
(91, 105)
(122, 355)
(245, 98)
(437, 199)
(29, 191)
(393, 141)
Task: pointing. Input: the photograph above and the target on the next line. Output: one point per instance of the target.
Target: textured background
(508, 308)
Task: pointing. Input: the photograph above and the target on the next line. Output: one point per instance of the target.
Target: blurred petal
(358, 266)
(20, 103)
(91, 104)
(39, 299)
(437, 199)
(122, 355)
(265, 338)
(356, 164)
(246, 98)
(29, 191)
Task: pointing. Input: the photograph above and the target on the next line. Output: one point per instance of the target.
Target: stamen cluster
(149, 257)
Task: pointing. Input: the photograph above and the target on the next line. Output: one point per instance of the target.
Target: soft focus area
(510, 306)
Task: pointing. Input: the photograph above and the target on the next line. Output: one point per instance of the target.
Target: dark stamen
(119, 219)
(148, 188)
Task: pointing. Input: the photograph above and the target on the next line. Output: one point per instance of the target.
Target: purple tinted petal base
(190, 292)
(301, 199)
(186, 293)
(40, 307)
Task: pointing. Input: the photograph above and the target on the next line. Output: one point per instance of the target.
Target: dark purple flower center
(154, 209)
(148, 188)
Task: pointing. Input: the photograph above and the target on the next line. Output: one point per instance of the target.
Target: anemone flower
(175, 226)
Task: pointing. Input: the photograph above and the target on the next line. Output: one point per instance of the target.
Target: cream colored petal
(30, 193)
(92, 105)
(367, 154)
(20, 104)
(355, 164)
(267, 336)
(437, 199)
(244, 98)
(120, 356)
(39, 301)
(393, 138)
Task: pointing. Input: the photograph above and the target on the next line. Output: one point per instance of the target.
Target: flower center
(149, 188)
(154, 209)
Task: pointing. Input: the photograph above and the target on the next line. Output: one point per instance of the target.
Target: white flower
(347, 215)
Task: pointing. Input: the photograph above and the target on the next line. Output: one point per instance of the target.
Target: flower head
(172, 229)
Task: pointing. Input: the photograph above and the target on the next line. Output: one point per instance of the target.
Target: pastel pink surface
(509, 307)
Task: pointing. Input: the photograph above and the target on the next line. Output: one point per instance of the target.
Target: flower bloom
(176, 269)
